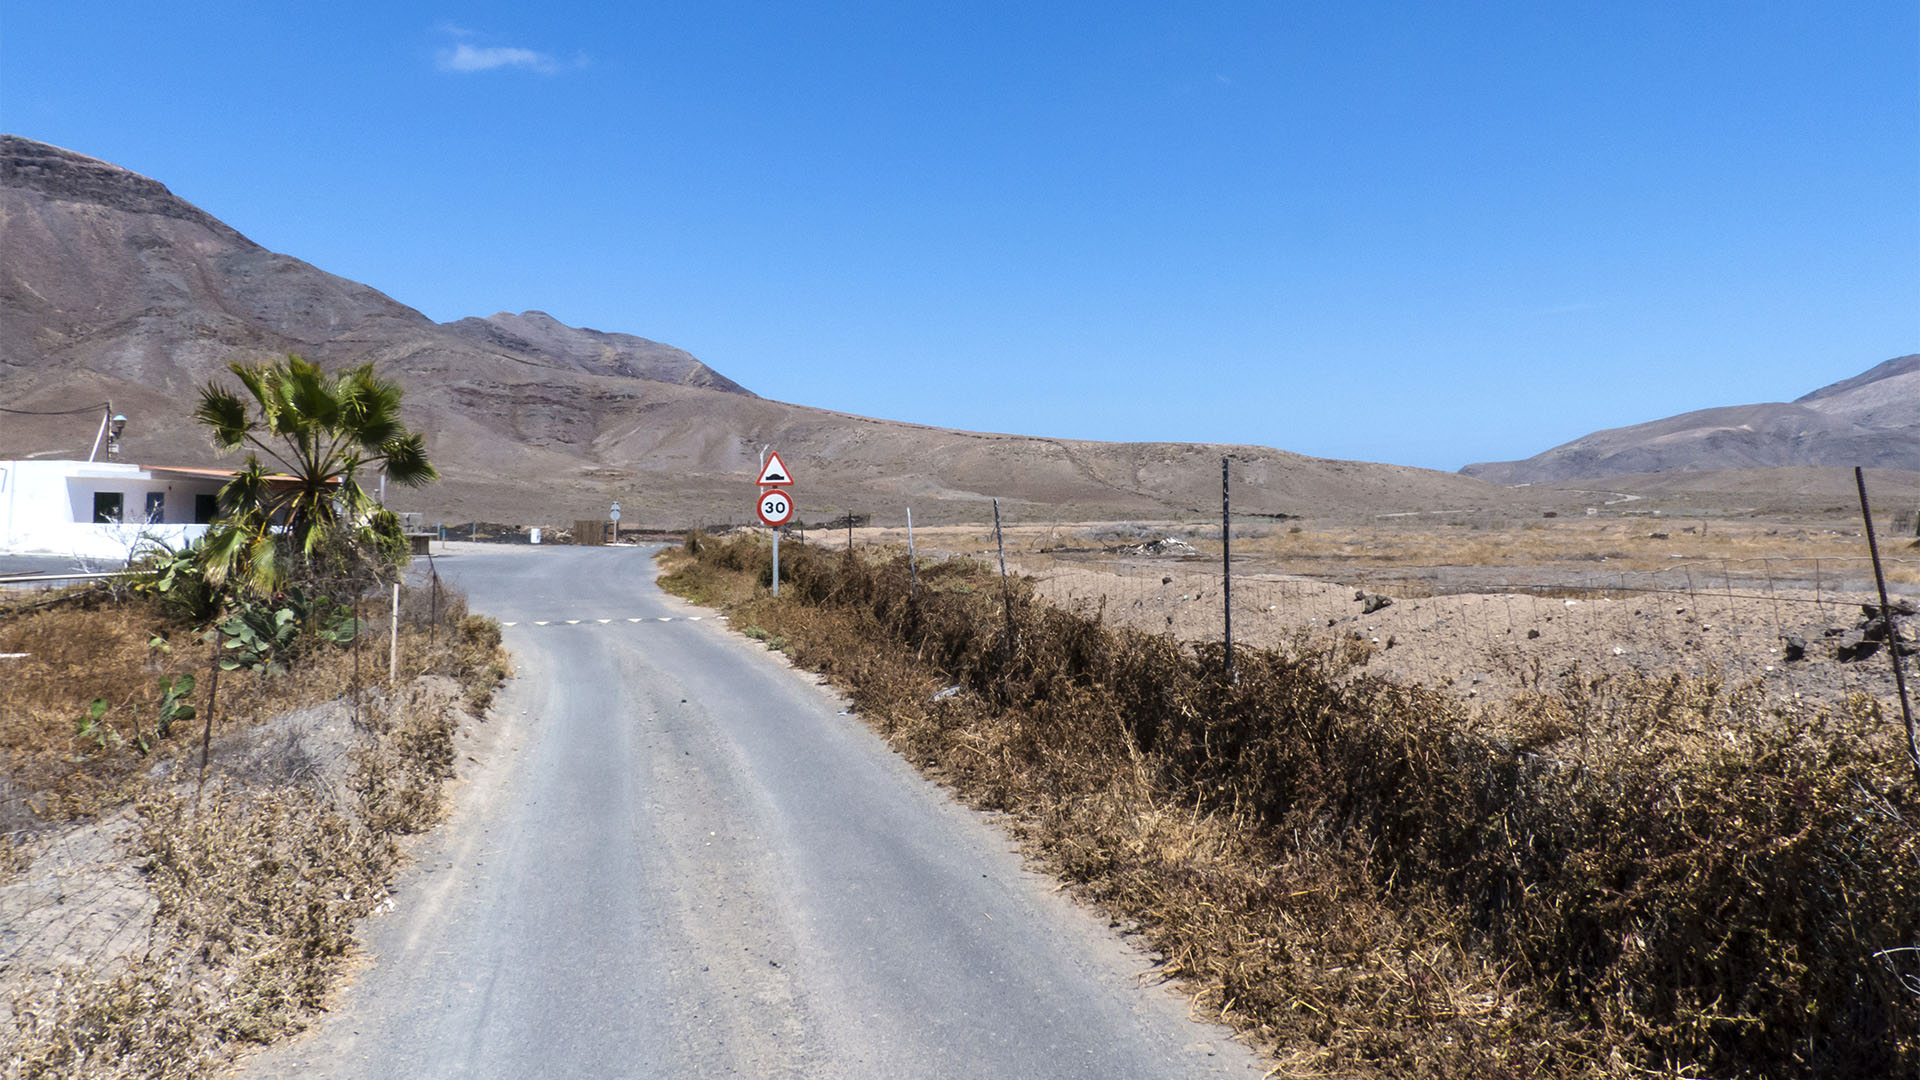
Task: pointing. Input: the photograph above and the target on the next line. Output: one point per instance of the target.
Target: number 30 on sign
(775, 508)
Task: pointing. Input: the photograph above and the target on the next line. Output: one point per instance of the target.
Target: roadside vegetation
(150, 711)
(1606, 876)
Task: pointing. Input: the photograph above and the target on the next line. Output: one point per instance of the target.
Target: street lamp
(111, 425)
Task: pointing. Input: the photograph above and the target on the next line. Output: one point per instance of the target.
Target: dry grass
(1639, 544)
(1337, 551)
(259, 892)
(1625, 876)
(118, 650)
(259, 886)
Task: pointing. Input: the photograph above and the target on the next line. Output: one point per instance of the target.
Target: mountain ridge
(595, 352)
(1871, 419)
(114, 289)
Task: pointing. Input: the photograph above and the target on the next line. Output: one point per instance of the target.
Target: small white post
(913, 568)
(393, 639)
(105, 417)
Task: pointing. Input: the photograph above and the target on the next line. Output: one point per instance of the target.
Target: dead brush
(259, 887)
(1650, 873)
(262, 890)
(118, 651)
(397, 775)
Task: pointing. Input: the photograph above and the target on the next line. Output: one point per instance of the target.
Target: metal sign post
(776, 509)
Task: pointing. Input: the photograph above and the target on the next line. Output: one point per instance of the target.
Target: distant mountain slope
(536, 333)
(110, 272)
(112, 288)
(1871, 419)
(1887, 395)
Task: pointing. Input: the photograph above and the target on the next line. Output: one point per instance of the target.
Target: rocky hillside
(544, 339)
(1871, 419)
(114, 289)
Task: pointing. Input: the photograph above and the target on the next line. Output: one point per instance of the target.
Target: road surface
(675, 856)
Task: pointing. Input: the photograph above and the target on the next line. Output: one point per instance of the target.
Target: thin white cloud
(465, 59)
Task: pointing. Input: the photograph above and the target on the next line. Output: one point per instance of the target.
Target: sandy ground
(1492, 644)
(1491, 609)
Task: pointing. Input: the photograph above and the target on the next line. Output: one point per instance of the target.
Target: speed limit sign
(775, 508)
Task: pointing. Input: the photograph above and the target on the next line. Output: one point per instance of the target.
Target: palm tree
(320, 433)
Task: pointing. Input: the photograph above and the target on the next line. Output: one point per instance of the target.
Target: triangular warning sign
(774, 472)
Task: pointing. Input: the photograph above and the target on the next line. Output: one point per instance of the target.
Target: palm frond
(321, 432)
(225, 416)
(406, 460)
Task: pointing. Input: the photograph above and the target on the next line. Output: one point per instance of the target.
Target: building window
(156, 507)
(107, 507)
(205, 508)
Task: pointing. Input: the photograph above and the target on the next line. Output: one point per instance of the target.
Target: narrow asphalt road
(674, 856)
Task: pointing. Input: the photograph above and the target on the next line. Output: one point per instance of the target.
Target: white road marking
(604, 622)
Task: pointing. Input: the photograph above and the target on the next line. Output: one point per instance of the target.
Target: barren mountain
(114, 289)
(539, 336)
(1871, 419)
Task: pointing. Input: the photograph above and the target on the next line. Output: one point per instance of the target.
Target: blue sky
(1424, 234)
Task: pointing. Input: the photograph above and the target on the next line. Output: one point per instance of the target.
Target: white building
(103, 510)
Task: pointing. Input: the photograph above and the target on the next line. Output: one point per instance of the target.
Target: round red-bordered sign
(775, 508)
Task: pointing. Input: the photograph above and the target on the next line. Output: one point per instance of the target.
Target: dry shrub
(261, 891)
(397, 775)
(118, 650)
(710, 571)
(144, 1023)
(258, 889)
(1656, 875)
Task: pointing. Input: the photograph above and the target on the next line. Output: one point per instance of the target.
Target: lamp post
(111, 425)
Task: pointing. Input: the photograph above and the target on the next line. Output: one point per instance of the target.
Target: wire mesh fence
(84, 907)
(1798, 627)
(1803, 627)
(74, 904)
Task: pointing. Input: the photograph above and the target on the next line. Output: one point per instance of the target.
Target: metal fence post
(1886, 617)
(1006, 591)
(1226, 559)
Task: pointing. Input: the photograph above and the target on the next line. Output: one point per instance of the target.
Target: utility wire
(58, 412)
